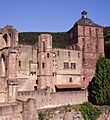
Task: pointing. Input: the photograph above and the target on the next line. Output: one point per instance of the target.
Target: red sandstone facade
(88, 37)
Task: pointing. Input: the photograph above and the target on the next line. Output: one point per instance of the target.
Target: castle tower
(88, 37)
(45, 61)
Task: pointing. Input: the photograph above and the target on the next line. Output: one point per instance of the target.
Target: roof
(64, 86)
(86, 21)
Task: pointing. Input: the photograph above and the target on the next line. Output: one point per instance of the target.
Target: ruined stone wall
(26, 67)
(8, 37)
(11, 111)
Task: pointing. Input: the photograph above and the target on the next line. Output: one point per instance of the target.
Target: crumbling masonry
(38, 74)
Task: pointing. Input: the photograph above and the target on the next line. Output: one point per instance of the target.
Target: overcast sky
(51, 15)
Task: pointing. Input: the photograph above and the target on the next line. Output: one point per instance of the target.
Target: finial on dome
(84, 14)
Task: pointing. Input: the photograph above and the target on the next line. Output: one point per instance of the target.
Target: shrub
(88, 111)
(41, 116)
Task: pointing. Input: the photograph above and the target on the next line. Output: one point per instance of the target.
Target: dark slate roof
(86, 21)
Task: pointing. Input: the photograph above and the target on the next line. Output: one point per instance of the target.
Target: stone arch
(3, 65)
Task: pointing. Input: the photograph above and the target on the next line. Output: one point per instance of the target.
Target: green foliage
(107, 42)
(88, 111)
(98, 89)
(41, 116)
(30, 38)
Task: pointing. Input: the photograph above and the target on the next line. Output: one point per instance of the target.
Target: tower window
(43, 65)
(66, 65)
(57, 52)
(83, 40)
(19, 62)
(84, 31)
(96, 47)
(97, 31)
(73, 65)
(35, 87)
(36, 81)
(78, 55)
(88, 46)
(37, 65)
(43, 45)
(90, 31)
(47, 55)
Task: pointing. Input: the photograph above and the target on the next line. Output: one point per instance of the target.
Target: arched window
(5, 38)
(3, 67)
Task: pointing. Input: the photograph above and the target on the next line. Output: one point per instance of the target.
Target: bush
(88, 111)
(41, 116)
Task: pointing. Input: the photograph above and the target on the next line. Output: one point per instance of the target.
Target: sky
(51, 15)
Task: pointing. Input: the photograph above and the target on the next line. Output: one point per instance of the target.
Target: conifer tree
(98, 88)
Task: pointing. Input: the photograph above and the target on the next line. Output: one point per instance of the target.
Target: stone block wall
(11, 111)
(48, 100)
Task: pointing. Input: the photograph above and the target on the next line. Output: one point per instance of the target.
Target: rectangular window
(57, 52)
(66, 65)
(43, 45)
(73, 65)
(84, 31)
(54, 74)
(35, 87)
(47, 55)
(97, 31)
(70, 79)
(90, 31)
(83, 40)
(68, 54)
(36, 81)
(37, 65)
(78, 55)
(72, 47)
(19, 62)
(43, 65)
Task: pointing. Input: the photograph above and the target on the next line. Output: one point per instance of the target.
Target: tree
(98, 88)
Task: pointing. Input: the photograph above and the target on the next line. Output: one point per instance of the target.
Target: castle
(26, 69)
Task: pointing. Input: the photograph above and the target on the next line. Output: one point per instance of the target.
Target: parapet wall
(50, 100)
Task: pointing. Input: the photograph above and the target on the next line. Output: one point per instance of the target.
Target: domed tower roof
(85, 20)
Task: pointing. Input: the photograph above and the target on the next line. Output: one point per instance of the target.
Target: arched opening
(5, 38)
(3, 67)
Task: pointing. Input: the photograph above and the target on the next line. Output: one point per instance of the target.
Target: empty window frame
(66, 65)
(73, 65)
(47, 55)
(70, 79)
(68, 54)
(43, 65)
(43, 46)
(19, 63)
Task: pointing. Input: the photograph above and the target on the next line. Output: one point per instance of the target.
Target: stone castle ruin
(39, 76)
